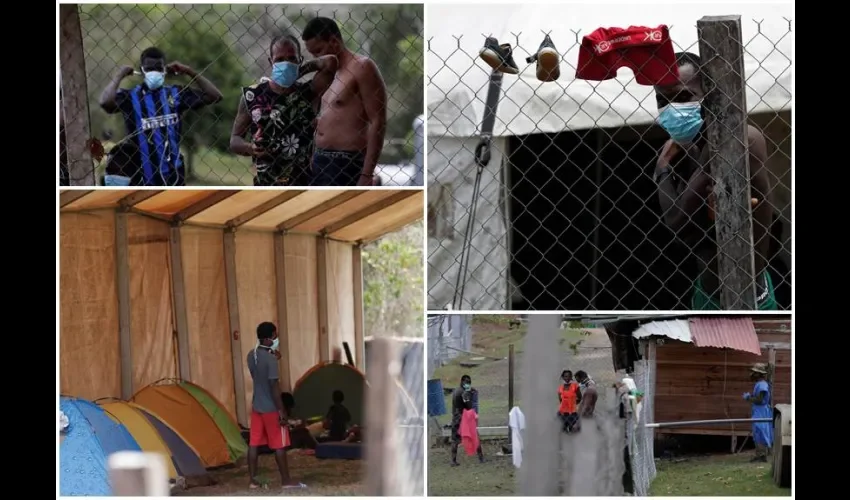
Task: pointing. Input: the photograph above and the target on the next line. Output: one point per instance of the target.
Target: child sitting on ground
(338, 418)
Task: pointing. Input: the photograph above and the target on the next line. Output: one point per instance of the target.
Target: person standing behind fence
(685, 185)
(587, 388)
(353, 115)
(152, 112)
(463, 398)
(280, 113)
(761, 408)
(569, 396)
(269, 420)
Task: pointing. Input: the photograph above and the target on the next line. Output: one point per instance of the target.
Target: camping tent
(196, 416)
(155, 436)
(314, 389)
(91, 436)
(457, 91)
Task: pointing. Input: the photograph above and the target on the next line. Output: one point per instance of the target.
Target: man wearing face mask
(152, 112)
(463, 398)
(280, 112)
(352, 121)
(685, 186)
(269, 424)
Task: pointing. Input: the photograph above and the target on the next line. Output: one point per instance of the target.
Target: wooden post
(771, 370)
(282, 322)
(138, 474)
(382, 398)
(179, 298)
(122, 280)
(725, 104)
(75, 96)
(357, 272)
(233, 315)
(322, 287)
(510, 383)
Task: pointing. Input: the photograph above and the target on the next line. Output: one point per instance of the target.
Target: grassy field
(713, 475)
(322, 477)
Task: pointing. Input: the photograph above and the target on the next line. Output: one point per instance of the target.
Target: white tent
(457, 90)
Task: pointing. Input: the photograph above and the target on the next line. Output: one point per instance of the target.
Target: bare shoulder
(365, 66)
(755, 135)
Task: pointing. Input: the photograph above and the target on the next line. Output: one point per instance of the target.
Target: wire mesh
(585, 203)
(214, 54)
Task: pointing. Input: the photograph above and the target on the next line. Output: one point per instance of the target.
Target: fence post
(138, 474)
(382, 398)
(722, 55)
(75, 96)
(510, 383)
(236, 354)
(771, 370)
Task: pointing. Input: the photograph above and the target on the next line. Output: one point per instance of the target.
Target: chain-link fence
(122, 122)
(568, 193)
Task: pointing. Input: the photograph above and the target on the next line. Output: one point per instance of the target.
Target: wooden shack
(702, 366)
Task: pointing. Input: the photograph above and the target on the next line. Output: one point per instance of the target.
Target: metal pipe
(688, 423)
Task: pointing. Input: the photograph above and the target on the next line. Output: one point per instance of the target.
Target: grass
(322, 477)
(715, 475)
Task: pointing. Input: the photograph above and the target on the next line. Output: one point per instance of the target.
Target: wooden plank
(137, 197)
(725, 104)
(75, 97)
(357, 275)
(233, 316)
(181, 318)
(122, 280)
(369, 210)
(381, 449)
(282, 322)
(203, 204)
(318, 209)
(322, 292)
(68, 197)
(263, 208)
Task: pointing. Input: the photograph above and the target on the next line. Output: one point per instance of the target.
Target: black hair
(566, 372)
(581, 374)
(323, 28)
(465, 377)
(151, 53)
(337, 396)
(122, 158)
(288, 401)
(689, 59)
(266, 330)
(285, 38)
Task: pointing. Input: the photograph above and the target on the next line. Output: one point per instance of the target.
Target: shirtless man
(353, 114)
(685, 186)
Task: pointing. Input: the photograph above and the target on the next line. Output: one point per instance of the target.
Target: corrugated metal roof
(676, 329)
(729, 333)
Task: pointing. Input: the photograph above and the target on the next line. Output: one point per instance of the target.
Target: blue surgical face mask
(154, 79)
(467, 387)
(116, 180)
(284, 73)
(275, 344)
(682, 120)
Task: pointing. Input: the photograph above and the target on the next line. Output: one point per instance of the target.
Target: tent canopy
(91, 437)
(344, 215)
(458, 79)
(313, 391)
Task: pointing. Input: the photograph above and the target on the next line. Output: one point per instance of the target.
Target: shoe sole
(548, 69)
(494, 61)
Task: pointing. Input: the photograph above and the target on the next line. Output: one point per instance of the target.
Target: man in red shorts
(268, 416)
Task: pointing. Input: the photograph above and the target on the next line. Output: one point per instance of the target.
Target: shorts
(569, 421)
(266, 430)
(765, 301)
(337, 168)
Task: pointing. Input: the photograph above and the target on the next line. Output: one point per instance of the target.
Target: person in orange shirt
(569, 396)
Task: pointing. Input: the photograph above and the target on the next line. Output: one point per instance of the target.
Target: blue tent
(90, 438)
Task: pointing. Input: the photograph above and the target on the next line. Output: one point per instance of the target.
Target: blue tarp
(90, 438)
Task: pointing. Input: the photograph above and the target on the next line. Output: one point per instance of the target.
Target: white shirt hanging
(516, 421)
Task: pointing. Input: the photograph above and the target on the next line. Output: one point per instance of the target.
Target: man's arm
(238, 144)
(758, 398)
(374, 94)
(325, 68)
(207, 92)
(108, 98)
(760, 191)
(677, 209)
(274, 382)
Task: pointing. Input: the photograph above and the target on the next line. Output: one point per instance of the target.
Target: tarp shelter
(155, 436)
(196, 414)
(173, 283)
(91, 437)
(313, 390)
(542, 183)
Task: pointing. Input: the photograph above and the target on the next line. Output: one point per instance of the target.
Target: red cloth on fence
(646, 51)
(469, 431)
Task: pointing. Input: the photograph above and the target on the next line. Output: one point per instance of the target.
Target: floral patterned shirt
(284, 126)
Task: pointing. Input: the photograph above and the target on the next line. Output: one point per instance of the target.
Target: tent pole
(233, 315)
(322, 286)
(282, 321)
(179, 300)
(122, 280)
(357, 275)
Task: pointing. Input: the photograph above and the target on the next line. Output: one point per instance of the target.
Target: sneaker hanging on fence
(499, 57)
(548, 61)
